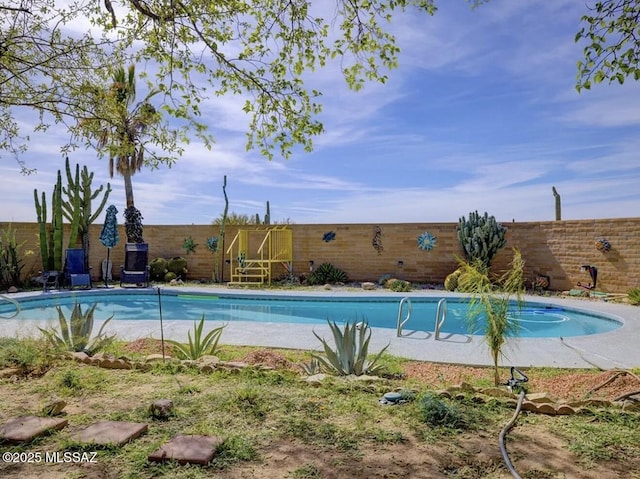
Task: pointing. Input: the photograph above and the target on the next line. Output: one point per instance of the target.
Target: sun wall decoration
(426, 241)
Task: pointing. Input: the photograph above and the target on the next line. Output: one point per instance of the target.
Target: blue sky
(482, 114)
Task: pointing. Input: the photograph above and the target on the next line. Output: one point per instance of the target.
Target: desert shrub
(398, 285)
(384, 278)
(29, 354)
(327, 273)
(178, 266)
(158, 268)
(170, 276)
(634, 296)
(436, 412)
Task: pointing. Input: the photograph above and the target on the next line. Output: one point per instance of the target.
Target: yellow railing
(249, 265)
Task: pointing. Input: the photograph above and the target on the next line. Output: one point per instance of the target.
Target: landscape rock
(161, 409)
(367, 285)
(539, 398)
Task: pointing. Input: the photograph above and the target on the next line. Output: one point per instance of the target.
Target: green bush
(178, 266)
(169, 277)
(28, 354)
(398, 285)
(436, 412)
(327, 273)
(158, 268)
(634, 296)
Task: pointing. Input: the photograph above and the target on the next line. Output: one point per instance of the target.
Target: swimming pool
(536, 319)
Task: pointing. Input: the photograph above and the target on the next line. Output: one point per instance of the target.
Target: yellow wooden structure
(258, 255)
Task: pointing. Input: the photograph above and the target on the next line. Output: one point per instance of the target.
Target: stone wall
(556, 249)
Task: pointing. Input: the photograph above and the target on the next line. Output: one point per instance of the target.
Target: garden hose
(503, 437)
(514, 383)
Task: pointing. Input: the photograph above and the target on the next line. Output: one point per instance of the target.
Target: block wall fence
(556, 249)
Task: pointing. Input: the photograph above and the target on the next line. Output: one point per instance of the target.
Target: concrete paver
(27, 428)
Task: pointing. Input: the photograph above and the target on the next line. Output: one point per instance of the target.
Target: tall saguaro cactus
(51, 240)
(558, 203)
(481, 237)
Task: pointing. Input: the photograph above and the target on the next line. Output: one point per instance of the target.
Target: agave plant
(350, 355)
(198, 346)
(75, 333)
(327, 273)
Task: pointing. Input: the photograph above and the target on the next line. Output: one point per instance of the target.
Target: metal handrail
(441, 315)
(401, 322)
(15, 303)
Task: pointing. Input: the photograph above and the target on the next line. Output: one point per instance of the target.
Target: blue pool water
(535, 319)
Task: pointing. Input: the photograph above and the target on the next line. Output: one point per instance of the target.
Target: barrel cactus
(481, 237)
(451, 281)
(158, 268)
(178, 266)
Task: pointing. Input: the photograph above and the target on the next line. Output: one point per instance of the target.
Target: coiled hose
(503, 437)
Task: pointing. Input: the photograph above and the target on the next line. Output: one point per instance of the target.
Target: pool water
(535, 319)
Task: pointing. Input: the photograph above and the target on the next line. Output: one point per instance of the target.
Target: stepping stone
(111, 433)
(187, 449)
(26, 428)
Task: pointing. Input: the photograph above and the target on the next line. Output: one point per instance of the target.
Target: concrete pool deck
(616, 349)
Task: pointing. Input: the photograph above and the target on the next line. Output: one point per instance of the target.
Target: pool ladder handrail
(402, 322)
(441, 316)
(15, 303)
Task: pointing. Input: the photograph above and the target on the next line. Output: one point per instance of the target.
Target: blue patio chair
(75, 271)
(136, 264)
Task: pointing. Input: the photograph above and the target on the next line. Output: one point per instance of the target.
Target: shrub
(327, 273)
(384, 278)
(27, 353)
(398, 285)
(169, 277)
(158, 268)
(435, 412)
(634, 296)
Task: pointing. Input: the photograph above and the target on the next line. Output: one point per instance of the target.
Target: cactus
(267, 217)
(481, 237)
(78, 207)
(41, 212)
(558, 204)
(55, 233)
(51, 239)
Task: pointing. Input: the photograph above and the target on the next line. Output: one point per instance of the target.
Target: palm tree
(120, 126)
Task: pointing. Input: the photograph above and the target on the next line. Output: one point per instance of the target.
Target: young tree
(489, 308)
